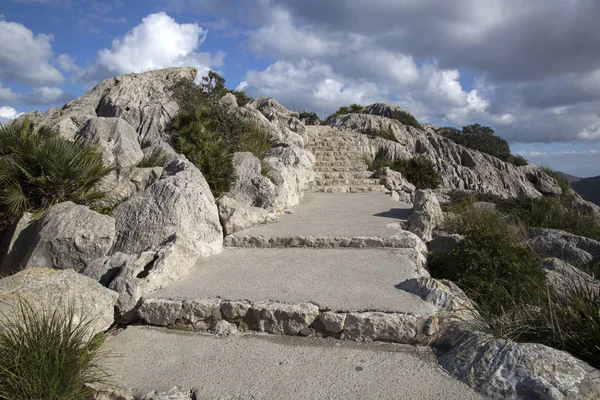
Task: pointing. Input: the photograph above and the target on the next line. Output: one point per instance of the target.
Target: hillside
(588, 188)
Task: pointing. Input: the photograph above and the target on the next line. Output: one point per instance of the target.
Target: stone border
(304, 319)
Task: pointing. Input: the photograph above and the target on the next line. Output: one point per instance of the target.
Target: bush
(208, 135)
(562, 182)
(405, 118)
(518, 161)
(341, 111)
(48, 356)
(492, 264)
(380, 133)
(310, 118)
(419, 171)
(40, 169)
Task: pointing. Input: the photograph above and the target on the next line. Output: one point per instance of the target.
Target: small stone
(200, 309)
(232, 310)
(333, 322)
(224, 329)
(160, 312)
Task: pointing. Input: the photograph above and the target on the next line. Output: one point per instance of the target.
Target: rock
(291, 169)
(395, 182)
(159, 312)
(105, 269)
(426, 216)
(150, 271)
(144, 100)
(70, 236)
(460, 167)
(565, 246)
(333, 322)
(501, 369)
(201, 310)
(563, 277)
(118, 142)
(179, 203)
(15, 246)
(399, 328)
(137, 181)
(224, 329)
(443, 243)
(249, 186)
(233, 310)
(62, 291)
(384, 110)
(236, 216)
(443, 294)
(279, 115)
(284, 319)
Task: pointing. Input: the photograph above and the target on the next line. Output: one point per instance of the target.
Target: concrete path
(339, 215)
(336, 279)
(252, 366)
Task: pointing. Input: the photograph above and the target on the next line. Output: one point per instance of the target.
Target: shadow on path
(395, 213)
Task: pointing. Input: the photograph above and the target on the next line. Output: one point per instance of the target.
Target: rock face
(459, 167)
(236, 216)
(443, 243)
(15, 245)
(179, 203)
(506, 370)
(565, 246)
(563, 277)
(426, 216)
(51, 290)
(395, 182)
(70, 237)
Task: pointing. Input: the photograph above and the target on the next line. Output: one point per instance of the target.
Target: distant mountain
(588, 188)
(568, 177)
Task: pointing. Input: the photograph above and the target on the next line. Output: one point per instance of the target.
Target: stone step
(342, 168)
(333, 147)
(347, 189)
(340, 163)
(343, 175)
(336, 153)
(346, 182)
(256, 366)
(319, 157)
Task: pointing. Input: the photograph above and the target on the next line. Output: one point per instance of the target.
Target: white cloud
(582, 163)
(157, 42)
(25, 57)
(8, 113)
(591, 132)
(47, 96)
(7, 95)
(549, 154)
(66, 63)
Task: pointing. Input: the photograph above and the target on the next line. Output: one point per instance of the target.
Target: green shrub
(310, 118)
(562, 182)
(341, 111)
(380, 133)
(519, 161)
(492, 264)
(242, 98)
(257, 141)
(356, 108)
(419, 171)
(40, 169)
(156, 158)
(48, 356)
(405, 118)
(481, 138)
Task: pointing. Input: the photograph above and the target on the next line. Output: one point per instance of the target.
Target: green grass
(40, 169)
(380, 133)
(48, 356)
(257, 141)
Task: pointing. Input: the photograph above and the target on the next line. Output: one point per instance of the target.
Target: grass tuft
(48, 356)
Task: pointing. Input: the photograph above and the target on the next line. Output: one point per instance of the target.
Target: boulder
(291, 170)
(236, 216)
(279, 115)
(149, 271)
(502, 369)
(70, 236)
(444, 243)
(180, 203)
(426, 216)
(118, 142)
(50, 290)
(565, 246)
(249, 186)
(563, 277)
(15, 245)
(395, 182)
(137, 181)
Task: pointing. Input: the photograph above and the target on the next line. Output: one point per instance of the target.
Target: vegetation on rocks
(502, 275)
(405, 118)
(419, 171)
(310, 118)
(208, 135)
(40, 169)
(482, 138)
(154, 158)
(48, 355)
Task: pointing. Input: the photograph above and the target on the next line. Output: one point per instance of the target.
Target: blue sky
(511, 65)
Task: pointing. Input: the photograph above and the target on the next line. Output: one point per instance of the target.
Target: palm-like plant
(40, 169)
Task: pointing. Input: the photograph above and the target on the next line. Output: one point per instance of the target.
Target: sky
(529, 69)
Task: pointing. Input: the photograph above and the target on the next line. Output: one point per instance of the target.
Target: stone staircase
(339, 167)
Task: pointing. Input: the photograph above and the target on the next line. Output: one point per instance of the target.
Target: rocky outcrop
(64, 291)
(444, 243)
(179, 203)
(460, 167)
(563, 278)
(236, 216)
(15, 245)
(565, 246)
(400, 188)
(426, 216)
(118, 142)
(70, 236)
(501, 369)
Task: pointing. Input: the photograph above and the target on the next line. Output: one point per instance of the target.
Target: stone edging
(402, 240)
(305, 319)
